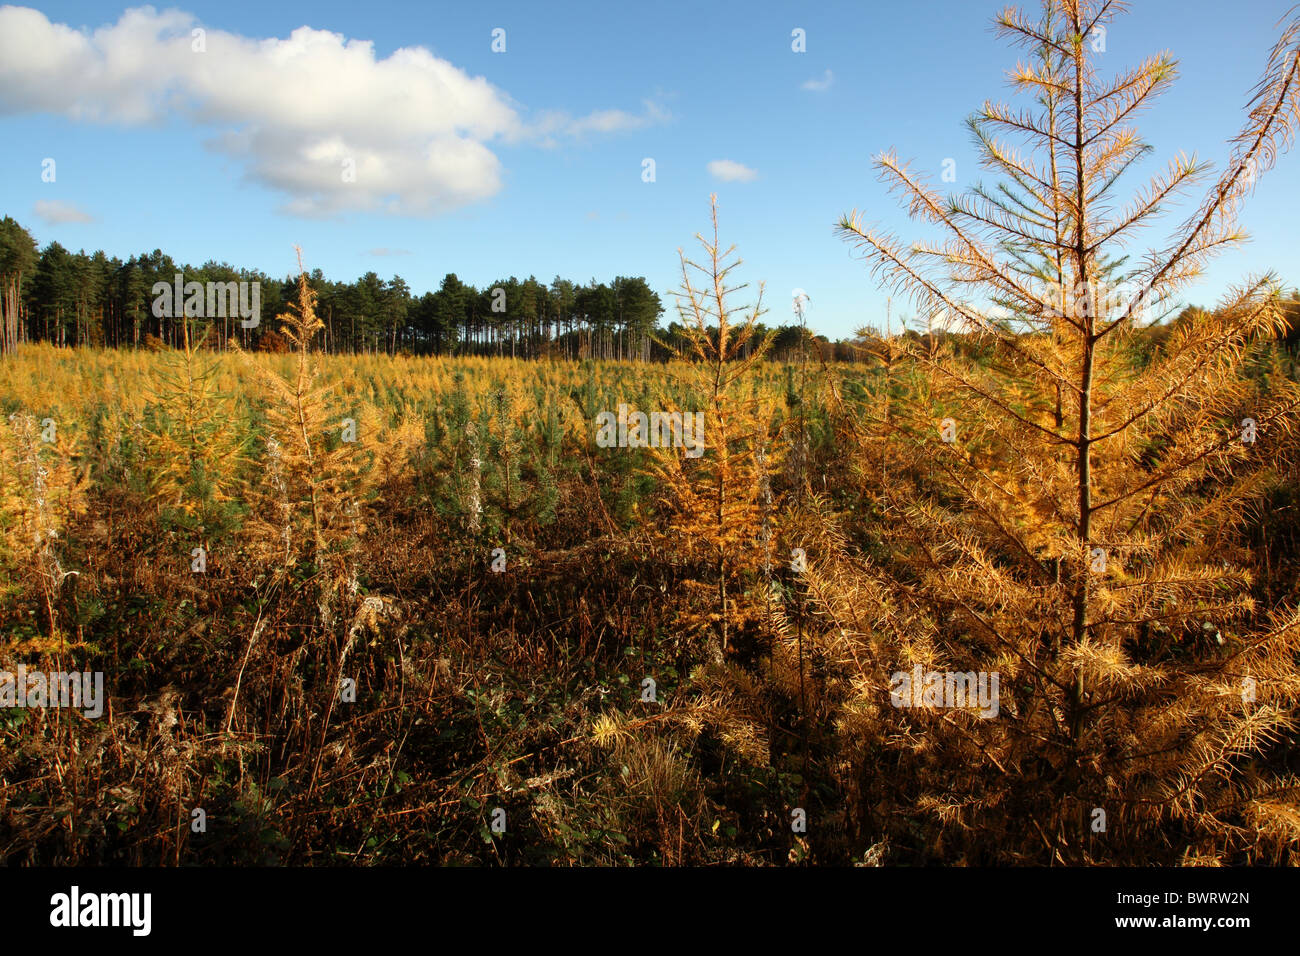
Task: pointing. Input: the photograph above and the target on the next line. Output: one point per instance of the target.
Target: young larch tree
(1074, 526)
(716, 496)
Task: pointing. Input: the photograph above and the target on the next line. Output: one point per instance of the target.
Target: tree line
(75, 298)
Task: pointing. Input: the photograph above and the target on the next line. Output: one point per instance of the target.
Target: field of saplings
(375, 609)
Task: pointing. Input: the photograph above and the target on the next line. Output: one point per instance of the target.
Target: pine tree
(505, 441)
(1074, 528)
(17, 259)
(717, 514)
(310, 503)
(196, 443)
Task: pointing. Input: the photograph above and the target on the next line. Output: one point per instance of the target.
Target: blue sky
(530, 161)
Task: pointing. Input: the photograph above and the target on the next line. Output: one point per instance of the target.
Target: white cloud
(730, 171)
(819, 86)
(551, 123)
(414, 127)
(55, 212)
